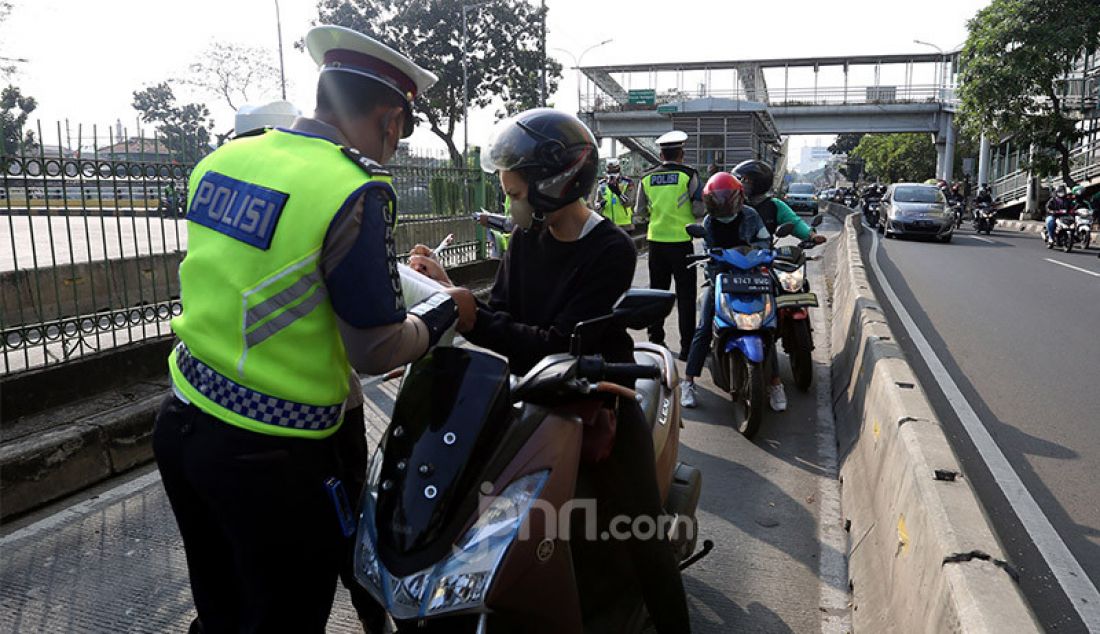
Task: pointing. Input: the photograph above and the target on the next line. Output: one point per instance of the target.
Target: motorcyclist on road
(729, 224)
(757, 177)
(1058, 205)
(567, 264)
(985, 195)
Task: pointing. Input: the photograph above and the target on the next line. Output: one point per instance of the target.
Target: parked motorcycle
(985, 218)
(472, 496)
(793, 301)
(745, 324)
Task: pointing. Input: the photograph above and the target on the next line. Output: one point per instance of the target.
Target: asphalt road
(110, 560)
(1017, 328)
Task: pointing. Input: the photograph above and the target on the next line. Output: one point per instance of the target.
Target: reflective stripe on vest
(669, 205)
(261, 341)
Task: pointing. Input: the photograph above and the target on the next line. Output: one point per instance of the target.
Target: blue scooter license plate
(746, 283)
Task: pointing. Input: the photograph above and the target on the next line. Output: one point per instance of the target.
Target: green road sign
(668, 108)
(646, 97)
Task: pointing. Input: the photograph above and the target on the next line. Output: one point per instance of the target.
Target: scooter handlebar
(618, 372)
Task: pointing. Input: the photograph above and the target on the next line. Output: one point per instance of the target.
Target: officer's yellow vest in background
(262, 349)
(669, 205)
(613, 206)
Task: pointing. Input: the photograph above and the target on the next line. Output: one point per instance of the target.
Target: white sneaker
(777, 397)
(687, 394)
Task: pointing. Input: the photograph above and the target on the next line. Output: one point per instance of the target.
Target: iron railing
(92, 234)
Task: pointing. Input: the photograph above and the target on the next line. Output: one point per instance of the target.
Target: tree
(235, 74)
(1016, 54)
(15, 107)
(504, 49)
(185, 129)
(845, 143)
(897, 157)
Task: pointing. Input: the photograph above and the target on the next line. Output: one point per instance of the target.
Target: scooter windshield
(452, 410)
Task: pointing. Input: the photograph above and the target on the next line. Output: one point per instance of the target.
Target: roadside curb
(60, 461)
(922, 555)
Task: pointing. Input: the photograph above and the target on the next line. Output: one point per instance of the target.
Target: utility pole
(279, 30)
(542, 82)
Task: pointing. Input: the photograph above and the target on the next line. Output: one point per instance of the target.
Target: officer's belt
(260, 407)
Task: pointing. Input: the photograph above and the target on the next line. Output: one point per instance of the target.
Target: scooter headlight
(464, 577)
(748, 321)
(792, 281)
(462, 580)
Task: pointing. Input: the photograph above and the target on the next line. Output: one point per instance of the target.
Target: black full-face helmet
(554, 152)
(756, 176)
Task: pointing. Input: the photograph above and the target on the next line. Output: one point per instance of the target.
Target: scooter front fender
(752, 346)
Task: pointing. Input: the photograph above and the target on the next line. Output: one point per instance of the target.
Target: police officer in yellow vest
(615, 195)
(671, 197)
(289, 282)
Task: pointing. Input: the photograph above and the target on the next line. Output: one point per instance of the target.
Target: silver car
(801, 197)
(915, 209)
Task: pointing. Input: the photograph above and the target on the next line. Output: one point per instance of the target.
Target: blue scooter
(745, 326)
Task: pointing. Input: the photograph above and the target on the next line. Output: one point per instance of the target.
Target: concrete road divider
(922, 555)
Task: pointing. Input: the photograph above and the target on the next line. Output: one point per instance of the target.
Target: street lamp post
(466, 84)
(577, 65)
(279, 30)
(941, 70)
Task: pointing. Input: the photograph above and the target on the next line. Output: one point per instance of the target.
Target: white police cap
(337, 48)
(269, 115)
(672, 139)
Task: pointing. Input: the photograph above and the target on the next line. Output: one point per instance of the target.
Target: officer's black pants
(263, 542)
(668, 262)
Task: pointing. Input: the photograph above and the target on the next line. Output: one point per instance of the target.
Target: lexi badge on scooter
(545, 550)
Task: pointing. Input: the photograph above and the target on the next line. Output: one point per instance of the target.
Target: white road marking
(1075, 268)
(1066, 569)
(82, 509)
(978, 238)
(832, 561)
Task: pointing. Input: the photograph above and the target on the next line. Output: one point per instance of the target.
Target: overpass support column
(983, 161)
(941, 149)
(949, 150)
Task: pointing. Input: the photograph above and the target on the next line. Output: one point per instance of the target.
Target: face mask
(523, 214)
(728, 219)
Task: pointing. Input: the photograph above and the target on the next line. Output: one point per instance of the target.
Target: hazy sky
(88, 57)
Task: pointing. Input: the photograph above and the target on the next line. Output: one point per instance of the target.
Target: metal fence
(92, 233)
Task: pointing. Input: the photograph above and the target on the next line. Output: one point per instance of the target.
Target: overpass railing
(93, 231)
(802, 96)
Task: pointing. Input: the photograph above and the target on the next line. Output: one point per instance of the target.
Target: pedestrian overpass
(635, 103)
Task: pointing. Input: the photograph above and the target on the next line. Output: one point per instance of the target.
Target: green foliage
(185, 129)
(15, 107)
(503, 45)
(1015, 54)
(896, 158)
(845, 143)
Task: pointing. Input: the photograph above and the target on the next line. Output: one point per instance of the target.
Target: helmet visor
(510, 147)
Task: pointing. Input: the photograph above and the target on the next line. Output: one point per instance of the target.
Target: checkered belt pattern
(249, 403)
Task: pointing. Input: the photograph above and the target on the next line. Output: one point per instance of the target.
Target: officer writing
(289, 282)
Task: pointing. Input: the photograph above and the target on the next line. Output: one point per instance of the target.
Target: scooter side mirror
(784, 230)
(642, 307)
(696, 230)
(817, 220)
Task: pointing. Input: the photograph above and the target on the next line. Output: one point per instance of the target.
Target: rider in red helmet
(729, 223)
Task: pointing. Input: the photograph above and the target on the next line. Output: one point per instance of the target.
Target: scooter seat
(648, 389)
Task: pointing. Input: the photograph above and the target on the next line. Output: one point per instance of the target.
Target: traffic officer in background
(289, 282)
(670, 197)
(615, 195)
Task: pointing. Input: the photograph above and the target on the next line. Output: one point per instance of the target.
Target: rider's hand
(483, 219)
(818, 238)
(430, 267)
(467, 307)
(422, 250)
